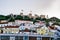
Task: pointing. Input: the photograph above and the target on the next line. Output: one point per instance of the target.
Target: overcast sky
(46, 7)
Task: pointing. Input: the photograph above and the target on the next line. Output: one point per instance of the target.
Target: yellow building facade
(10, 30)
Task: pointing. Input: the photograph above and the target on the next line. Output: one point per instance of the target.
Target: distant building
(42, 16)
(11, 29)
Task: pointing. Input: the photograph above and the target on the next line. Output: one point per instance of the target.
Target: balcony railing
(27, 37)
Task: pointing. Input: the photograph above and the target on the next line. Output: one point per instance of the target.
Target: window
(32, 38)
(19, 38)
(26, 38)
(5, 37)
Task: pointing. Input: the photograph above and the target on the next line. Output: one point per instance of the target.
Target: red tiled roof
(11, 26)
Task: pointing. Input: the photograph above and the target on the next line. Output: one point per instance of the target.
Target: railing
(27, 37)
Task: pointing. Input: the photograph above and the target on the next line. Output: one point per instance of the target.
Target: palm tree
(11, 18)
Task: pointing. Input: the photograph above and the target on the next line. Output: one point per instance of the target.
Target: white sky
(46, 7)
